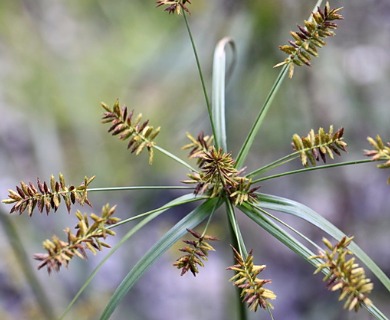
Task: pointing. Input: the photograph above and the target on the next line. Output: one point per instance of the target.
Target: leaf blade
(218, 90)
(301, 211)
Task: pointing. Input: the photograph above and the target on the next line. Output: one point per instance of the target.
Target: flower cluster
(175, 6)
(344, 274)
(310, 37)
(141, 135)
(196, 253)
(381, 152)
(318, 145)
(90, 231)
(47, 195)
(198, 146)
(252, 288)
(218, 172)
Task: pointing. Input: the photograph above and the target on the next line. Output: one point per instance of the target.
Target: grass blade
(301, 211)
(218, 90)
(294, 245)
(280, 234)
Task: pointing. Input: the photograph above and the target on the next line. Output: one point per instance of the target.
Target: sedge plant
(218, 181)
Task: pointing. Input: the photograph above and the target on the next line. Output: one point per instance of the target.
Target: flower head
(344, 274)
(174, 6)
(310, 37)
(196, 252)
(252, 288)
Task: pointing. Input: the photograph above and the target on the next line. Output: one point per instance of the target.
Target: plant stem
(274, 164)
(260, 117)
(173, 157)
(263, 111)
(237, 242)
(242, 311)
(217, 205)
(166, 207)
(140, 188)
(342, 164)
(201, 78)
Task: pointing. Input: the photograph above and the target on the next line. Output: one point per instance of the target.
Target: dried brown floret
(41, 196)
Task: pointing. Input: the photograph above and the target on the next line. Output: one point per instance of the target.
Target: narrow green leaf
(299, 210)
(218, 90)
(295, 245)
(174, 234)
(280, 234)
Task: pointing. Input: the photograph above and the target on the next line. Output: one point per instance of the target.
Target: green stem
(263, 111)
(105, 189)
(274, 164)
(241, 248)
(154, 211)
(217, 205)
(312, 169)
(242, 310)
(24, 263)
(260, 117)
(173, 157)
(287, 226)
(238, 243)
(209, 111)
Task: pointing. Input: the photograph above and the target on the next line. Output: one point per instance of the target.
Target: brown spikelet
(252, 288)
(196, 252)
(129, 127)
(218, 173)
(47, 196)
(381, 152)
(344, 274)
(316, 146)
(175, 6)
(90, 231)
(310, 37)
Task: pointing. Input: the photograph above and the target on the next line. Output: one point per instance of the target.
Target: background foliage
(59, 59)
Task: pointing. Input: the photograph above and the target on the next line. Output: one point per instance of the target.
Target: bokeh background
(59, 59)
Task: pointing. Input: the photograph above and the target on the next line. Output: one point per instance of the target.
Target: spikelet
(316, 146)
(309, 38)
(344, 274)
(127, 127)
(196, 252)
(47, 196)
(381, 152)
(90, 231)
(252, 288)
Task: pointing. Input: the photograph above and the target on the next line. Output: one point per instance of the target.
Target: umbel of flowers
(218, 177)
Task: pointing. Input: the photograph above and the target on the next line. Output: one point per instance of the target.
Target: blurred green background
(59, 59)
